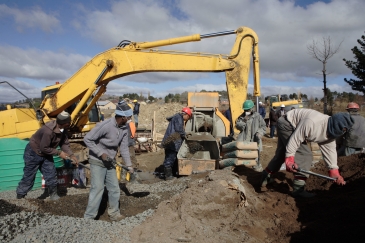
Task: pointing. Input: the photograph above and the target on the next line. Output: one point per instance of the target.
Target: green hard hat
(247, 105)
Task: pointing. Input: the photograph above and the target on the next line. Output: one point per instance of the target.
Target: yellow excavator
(79, 94)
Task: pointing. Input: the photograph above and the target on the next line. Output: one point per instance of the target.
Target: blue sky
(47, 41)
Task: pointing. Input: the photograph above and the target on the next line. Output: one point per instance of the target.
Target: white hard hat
(282, 105)
(260, 103)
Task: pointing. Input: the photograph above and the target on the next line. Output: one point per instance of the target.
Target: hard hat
(102, 113)
(134, 100)
(247, 105)
(187, 111)
(282, 105)
(352, 105)
(260, 103)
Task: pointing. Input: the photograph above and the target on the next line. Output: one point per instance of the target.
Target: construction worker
(273, 119)
(282, 111)
(39, 152)
(295, 129)
(353, 142)
(252, 127)
(262, 110)
(103, 141)
(136, 112)
(173, 138)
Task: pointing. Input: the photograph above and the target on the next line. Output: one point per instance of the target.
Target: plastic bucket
(58, 162)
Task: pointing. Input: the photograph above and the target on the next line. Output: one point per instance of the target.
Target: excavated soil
(212, 209)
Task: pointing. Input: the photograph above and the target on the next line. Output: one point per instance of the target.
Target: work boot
(117, 218)
(266, 178)
(168, 174)
(18, 196)
(53, 193)
(299, 190)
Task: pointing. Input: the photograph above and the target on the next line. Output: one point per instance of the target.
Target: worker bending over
(172, 140)
(295, 129)
(39, 152)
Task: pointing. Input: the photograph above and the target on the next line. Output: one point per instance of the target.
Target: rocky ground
(220, 206)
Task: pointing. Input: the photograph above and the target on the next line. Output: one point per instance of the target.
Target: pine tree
(357, 67)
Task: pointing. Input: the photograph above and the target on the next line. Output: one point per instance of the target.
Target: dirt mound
(208, 212)
(351, 168)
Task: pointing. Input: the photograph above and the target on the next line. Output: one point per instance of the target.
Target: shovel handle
(315, 174)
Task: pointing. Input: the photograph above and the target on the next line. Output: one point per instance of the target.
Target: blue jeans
(33, 162)
(272, 131)
(101, 176)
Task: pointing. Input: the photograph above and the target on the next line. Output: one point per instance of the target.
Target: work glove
(107, 161)
(63, 155)
(334, 173)
(258, 135)
(290, 164)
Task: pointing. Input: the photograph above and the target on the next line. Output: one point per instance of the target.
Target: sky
(43, 42)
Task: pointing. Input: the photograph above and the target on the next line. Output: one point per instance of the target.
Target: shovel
(315, 174)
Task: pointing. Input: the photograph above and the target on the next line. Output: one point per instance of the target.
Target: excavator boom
(86, 86)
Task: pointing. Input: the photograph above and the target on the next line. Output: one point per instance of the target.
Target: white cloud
(36, 64)
(31, 18)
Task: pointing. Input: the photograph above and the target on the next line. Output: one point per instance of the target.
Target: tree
(323, 52)
(357, 67)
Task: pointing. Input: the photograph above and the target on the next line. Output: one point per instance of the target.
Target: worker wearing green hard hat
(252, 127)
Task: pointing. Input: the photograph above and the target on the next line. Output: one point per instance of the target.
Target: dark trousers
(33, 162)
(170, 158)
(272, 131)
(303, 156)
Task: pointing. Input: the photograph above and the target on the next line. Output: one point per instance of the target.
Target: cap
(63, 118)
(123, 109)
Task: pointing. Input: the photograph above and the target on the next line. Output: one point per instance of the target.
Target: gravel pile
(34, 227)
(21, 222)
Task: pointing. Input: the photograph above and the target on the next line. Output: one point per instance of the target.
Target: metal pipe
(228, 32)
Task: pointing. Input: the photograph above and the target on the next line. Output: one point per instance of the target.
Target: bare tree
(322, 51)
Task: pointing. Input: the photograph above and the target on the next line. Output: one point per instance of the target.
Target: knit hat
(63, 118)
(123, 109)
(337, 123)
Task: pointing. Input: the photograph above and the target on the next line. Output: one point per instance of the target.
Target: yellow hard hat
(134, 100)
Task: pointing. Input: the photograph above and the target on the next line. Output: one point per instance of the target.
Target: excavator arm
(87, 85)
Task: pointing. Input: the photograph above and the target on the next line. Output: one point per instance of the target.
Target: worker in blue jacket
(173, 139)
